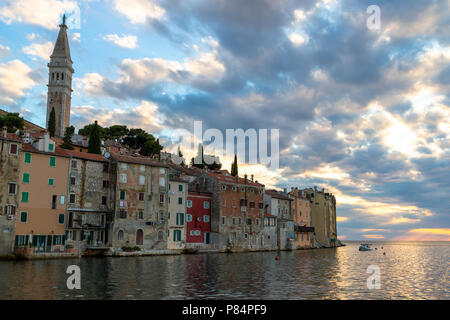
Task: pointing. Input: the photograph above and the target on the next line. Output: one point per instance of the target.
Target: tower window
(57, 76)
(62, 76)
(53, 76)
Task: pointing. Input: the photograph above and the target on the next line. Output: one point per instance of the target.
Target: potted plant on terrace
(70, 248)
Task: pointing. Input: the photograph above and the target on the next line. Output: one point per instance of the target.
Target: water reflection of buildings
(201, 276)
(33, 280)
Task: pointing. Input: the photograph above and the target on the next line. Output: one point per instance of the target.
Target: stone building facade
(302, 216)
(323, 216)
(89, 201)
(279, 204)
(10, 149)
(270, 234)
(140, 199)
(178, 190)
(237, 210)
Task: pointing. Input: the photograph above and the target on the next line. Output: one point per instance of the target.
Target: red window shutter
(13, 148)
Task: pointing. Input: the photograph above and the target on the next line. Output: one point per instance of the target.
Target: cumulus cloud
(124, 41)
(144, 116)
(15, 79)
(43, 13)
(135, 76)
(139, 11)
(40, 50)
(4, 51)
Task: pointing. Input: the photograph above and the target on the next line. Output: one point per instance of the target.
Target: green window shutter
(26, 178)
(180, 200)
(122, 195)
(50, 147)
(27, 158)
(174, 235)
(61, 218)
(23, 216)
(52, 162)
(180, 219)
(24, 196)
(180, 187)
(51, 181)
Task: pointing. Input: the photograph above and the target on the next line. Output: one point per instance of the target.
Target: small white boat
(365, 247)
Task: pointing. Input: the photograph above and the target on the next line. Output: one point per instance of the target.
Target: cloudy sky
(363, 113)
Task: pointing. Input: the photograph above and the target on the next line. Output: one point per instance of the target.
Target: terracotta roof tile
(138, 160)
(86, 156)
(58, 151)
(231, 179)
(11, 137)
(277, 195)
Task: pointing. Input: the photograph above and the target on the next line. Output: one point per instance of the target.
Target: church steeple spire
(60, 81)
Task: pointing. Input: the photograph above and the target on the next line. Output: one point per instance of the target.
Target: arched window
(120, 235)
(57, 76)
(53, 76)
(160, 235)
(62, 76)
(139, 237)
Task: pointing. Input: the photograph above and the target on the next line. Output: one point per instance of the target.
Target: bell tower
(60, 81)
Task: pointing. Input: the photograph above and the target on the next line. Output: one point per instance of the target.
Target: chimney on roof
(245, 178)
(285, 190)
(197, 186)
(252, 178)
(5, 132)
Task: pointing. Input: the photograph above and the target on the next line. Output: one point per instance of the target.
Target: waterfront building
(279, 204)
(176, 234)
(198, 220)
(89, 200)
(269, 233)
(10, 153)
(60, 82)
(41, 214)
(140, 195)
(237, 210)
(189, 174)
(323, 216)
(302, 217)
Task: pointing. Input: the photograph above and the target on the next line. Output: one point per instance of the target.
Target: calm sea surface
(409, 270)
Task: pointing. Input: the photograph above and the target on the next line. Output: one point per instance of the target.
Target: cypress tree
(67, 144)
(234, 167)
(52, 123)
(94, 145)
